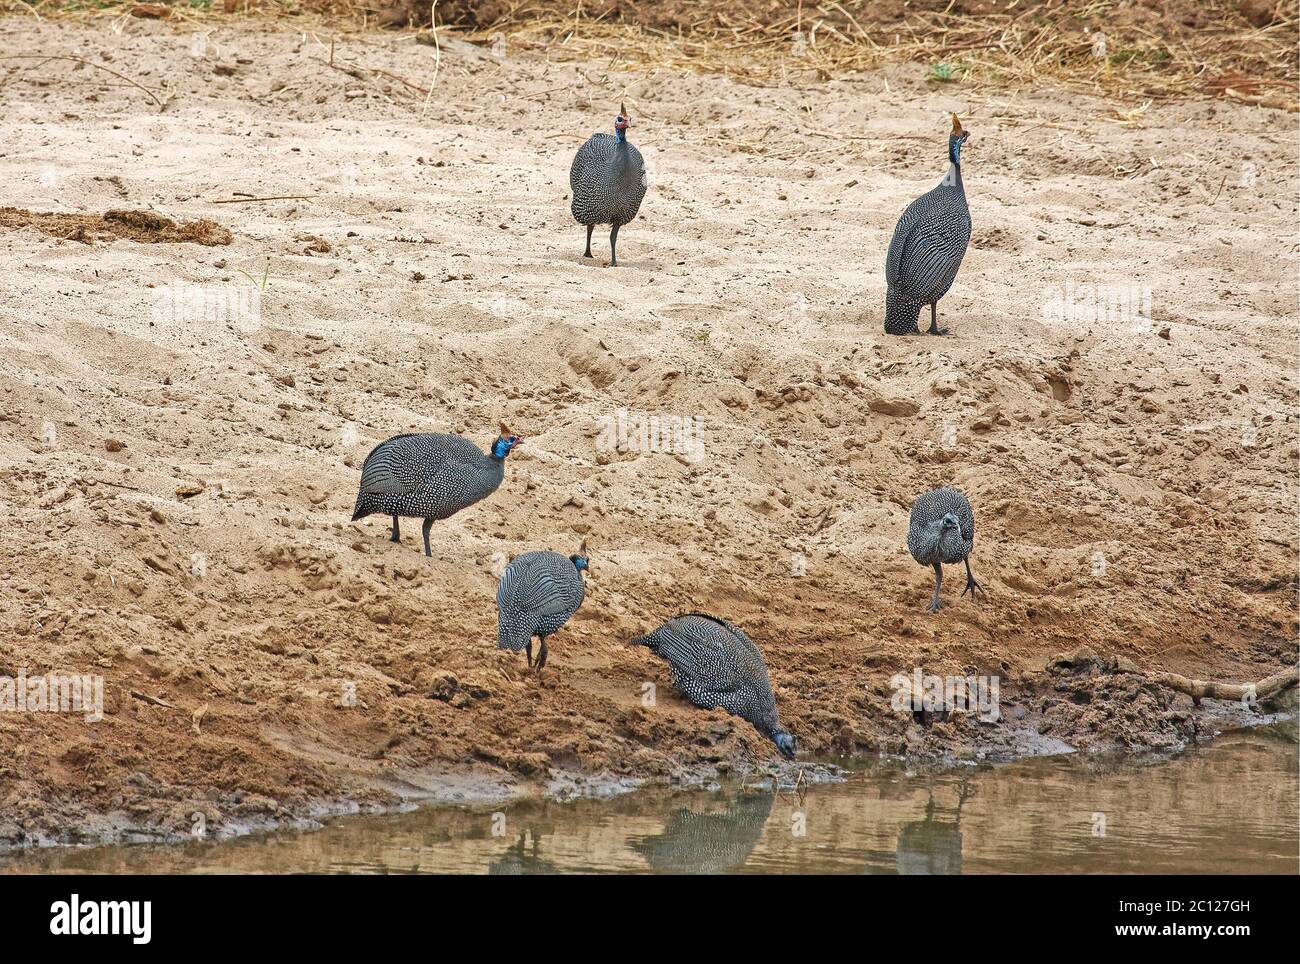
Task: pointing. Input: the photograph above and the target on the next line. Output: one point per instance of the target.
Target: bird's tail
(901, 313)
(363, 508)
(511, 638)
(647, 641)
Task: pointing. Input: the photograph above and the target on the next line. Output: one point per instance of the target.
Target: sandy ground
(177, 488)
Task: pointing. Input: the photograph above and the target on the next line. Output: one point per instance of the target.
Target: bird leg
(934, 320)
(589, 230)
(541, 655)
(397, 535)
(428, 524)
(973, 587)
(613, 240)
(938, 584)
(528, 651)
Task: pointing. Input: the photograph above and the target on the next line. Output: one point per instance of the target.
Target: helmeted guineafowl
(431, 476)
(927, 247)
(608, 182)
(537, 594)
(715, 664)
(942, 529)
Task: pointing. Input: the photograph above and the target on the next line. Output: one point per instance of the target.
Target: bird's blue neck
(621, 134)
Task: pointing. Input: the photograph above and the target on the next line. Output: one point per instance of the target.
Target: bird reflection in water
(711, 842)
(932, 847)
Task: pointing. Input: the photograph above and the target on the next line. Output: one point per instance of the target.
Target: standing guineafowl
(714, 664)
(608, 182)
(927, 247)
(429, 476)
(537, 594)
(942, 529)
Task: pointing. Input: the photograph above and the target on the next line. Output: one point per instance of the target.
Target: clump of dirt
(144, 226)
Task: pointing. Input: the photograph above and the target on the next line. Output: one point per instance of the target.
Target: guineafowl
(431, 476)
(537, 594)
(608, 182)
(927, 247)
(942, 529)
(715, 664)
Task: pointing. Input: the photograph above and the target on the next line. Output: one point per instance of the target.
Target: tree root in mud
(1250, 692)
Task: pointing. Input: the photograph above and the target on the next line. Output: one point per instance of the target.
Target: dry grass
(1175, 49)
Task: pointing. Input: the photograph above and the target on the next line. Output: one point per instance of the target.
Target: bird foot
(934, 606)
(974, 588)
(936, 331)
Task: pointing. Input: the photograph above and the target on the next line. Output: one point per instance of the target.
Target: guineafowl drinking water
(608, 182)
(715, 664)
(927, 247)
(431, 476)
(537, 594)
(942, 529)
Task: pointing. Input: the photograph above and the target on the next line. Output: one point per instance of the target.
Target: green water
(1230, 807)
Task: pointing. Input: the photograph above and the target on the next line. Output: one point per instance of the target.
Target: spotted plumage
(927, 248)
(608, 181)
(942, 530)
(429, 476)
(715, 664)
(536, 595)
(708, 842)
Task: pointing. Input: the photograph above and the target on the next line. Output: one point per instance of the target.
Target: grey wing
(535, 587)
(590, 153)
(408, 464)
(696, 653)
(898, 243)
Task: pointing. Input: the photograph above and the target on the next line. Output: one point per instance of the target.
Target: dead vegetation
(1135, 50)
(143, 226)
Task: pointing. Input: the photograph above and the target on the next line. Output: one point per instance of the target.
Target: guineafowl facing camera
(608, 181)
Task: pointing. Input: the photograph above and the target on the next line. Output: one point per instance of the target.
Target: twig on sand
(437, 55)
(79, 60)
(278, 197)
(156, 701)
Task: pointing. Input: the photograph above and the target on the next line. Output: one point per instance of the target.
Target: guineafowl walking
(537, 594)
(927, 247)
(608, 182)
(942, 529)
(431, 476)
(715, 664)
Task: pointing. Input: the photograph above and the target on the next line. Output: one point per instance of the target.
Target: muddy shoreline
(926, 746)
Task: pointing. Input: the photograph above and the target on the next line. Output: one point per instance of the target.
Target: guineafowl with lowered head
(715, 664)
(608, 181)
(430, 476)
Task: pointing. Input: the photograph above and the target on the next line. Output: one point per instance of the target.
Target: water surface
(1230, 807)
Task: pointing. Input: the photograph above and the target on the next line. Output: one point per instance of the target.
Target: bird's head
(622, 122)
(949, 523)
(579, 558)
(786, 743)
(505, 442)
(956, 139)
